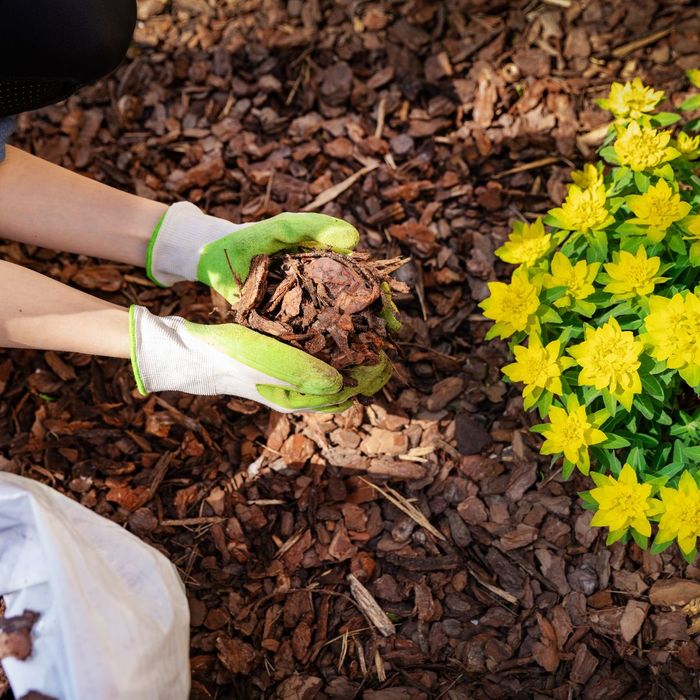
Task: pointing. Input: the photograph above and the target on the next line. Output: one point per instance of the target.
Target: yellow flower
(539, 368)
(583, 210)
(526, 244)
(609, 358)
(642, 147)
(673, 331)
(657, 209)
(632, 275)
(578, 279)
(623, 503)
(588, 176)
(571, 432)
(687, 145)
(631, 99)
(681, 517)
(512, 306)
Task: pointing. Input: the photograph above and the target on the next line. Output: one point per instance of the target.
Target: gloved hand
(170, 353)
(190, 245)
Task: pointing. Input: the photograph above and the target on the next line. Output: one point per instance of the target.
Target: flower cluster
(602, 314)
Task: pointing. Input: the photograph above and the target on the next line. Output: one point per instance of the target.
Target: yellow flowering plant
(602, 315)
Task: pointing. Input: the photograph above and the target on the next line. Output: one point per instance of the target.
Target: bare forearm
(49, 206)
(40, 313)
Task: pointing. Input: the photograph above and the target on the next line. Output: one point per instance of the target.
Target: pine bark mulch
(416, 547)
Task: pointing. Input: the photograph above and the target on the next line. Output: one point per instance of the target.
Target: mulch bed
(429, 126)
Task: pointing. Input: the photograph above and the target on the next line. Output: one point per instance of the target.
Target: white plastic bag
(114, 618)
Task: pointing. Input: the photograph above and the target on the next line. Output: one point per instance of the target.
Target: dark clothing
(50, 48)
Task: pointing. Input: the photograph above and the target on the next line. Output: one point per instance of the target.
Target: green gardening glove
(171, 354)
(190, 245)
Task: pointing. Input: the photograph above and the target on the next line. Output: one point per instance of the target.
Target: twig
(406, 507)
(370, 607)
(185, 522)
(549, 160)
(494, 589)
(236, 278)
(268, 191)
(629, 47)
(381, 113)
(332, 192)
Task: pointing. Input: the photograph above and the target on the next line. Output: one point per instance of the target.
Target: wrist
(176, 243)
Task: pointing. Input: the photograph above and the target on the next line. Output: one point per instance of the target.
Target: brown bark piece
(674, 591)
(16, 635)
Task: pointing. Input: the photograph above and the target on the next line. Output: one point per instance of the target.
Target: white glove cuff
(165, 358)
(176, 244)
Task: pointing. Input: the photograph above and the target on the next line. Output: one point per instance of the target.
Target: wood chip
(369, 606)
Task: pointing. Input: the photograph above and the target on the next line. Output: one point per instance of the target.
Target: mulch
(416, 547)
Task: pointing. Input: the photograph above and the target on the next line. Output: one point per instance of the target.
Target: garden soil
(418, 546)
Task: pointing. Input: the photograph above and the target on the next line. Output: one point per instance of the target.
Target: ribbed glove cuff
(176, 244)
(164, 357)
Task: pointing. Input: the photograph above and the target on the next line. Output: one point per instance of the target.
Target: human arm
(45, 205)
(52, 207)
(43, 314)
(170, 353)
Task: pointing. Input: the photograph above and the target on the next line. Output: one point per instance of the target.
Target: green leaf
(690, 557)
(691, 104)
(544, 403)
(665, 118)
(567, 469)
(641, 181)
(609, 402)
(692, 454)
(658, 547)
(627, 229)
(597, 246)
(622, 177)
(641, 540)
(608, 154)
(491, 333)
(584, 308)
(652, 387)
(672, 470)
(549, 220)
(643, 405)
(635, 458)
(676, 244)
(586, 497)
(615, 536)
(548, 315)
(615, 442)
(552, 294)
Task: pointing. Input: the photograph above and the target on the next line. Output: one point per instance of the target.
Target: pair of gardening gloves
(171, 353)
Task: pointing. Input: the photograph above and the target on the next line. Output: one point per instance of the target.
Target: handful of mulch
(328, 305)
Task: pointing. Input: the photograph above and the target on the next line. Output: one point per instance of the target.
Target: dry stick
(622, 51)
(332, 192)
(268, 191)
(381, 113)
(184, 522)
(494, 589)
(159, 474)
(370, 607)
(406, 507)
(541, 162)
